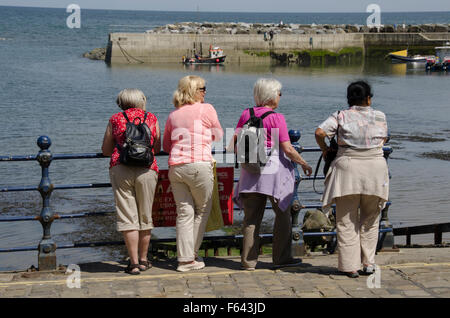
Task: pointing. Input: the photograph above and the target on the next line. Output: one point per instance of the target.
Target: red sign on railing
(164, 206)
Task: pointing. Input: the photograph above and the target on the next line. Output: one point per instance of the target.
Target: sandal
(130, 267)
(146, 265)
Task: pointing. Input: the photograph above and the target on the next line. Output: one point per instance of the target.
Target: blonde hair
(266, 91)
(187, 89)
(131, 98)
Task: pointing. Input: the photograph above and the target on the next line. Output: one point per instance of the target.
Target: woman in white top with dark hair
(358, 179)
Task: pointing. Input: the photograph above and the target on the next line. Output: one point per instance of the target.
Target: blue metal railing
(47, 247)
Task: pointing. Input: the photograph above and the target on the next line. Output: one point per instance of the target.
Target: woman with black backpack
(358, 179)
(131, 139)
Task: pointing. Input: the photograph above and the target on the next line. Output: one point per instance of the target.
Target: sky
(243, 5)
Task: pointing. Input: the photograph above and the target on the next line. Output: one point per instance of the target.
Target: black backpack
(137, 149)
(250, 144)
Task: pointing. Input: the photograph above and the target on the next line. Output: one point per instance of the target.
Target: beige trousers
(192, 187)
(357, 231)
(134, 191)
(254, 205)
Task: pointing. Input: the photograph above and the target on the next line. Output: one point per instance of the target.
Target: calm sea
(48, 88)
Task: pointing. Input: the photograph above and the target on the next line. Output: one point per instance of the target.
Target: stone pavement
(420, 272)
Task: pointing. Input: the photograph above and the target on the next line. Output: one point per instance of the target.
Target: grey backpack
(250, 145)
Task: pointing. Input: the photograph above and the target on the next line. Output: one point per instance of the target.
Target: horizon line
(196, 11)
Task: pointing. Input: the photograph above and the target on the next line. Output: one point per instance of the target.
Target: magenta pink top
(272, 121)
(189, 133)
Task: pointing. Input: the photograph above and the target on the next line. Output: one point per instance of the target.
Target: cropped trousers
(357, 224)
(134, 191)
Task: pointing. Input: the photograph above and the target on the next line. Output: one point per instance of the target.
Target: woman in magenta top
(275, 182)
(133, 187)
(188, 134)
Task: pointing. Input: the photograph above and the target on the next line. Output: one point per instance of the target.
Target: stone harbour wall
(268, 43)
(291, 28)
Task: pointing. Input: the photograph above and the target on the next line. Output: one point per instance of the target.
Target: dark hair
(357, 93)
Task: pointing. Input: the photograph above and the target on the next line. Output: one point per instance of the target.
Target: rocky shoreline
(96, 54)
(291, 28)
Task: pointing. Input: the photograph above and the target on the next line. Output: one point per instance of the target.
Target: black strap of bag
(126, 117)
(252, 117)
(331, 155)
(119, 147)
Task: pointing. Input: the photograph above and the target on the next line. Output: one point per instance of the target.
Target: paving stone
(204, 295)
(254, 295)
(225, 287)
(45, 291)
(17, 291)
(280, 293)
(178, 295)
(333, 293)
(416, 293)
(435, 284)
(248, 286)
(125, 293)
(6, 278)
(309, 295)
(75, 293)
(148, 290)
(148, 283)
(2, 290)
(360, 293)
(443, 290)
(174, 288)
(201, 291)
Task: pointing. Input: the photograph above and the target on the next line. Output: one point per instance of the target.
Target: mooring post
(47, 247)
(297, 242)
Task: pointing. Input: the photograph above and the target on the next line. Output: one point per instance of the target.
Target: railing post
(386, 242)
(47, 247)
(297, 242)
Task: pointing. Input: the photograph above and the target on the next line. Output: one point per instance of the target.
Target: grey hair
(266, 91)
(131, 98)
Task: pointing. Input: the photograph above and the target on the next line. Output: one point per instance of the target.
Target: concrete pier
(253, 48)
(412, 272)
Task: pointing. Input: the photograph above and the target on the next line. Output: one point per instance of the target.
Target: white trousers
(192, 187)
(357, 224)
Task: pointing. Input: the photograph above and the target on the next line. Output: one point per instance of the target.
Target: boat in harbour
(216, 56)
(402, 56)
(440, 62)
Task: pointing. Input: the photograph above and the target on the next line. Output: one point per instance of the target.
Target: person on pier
(188, 135)
(274, 182)
(358, 179)
(133, 186)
